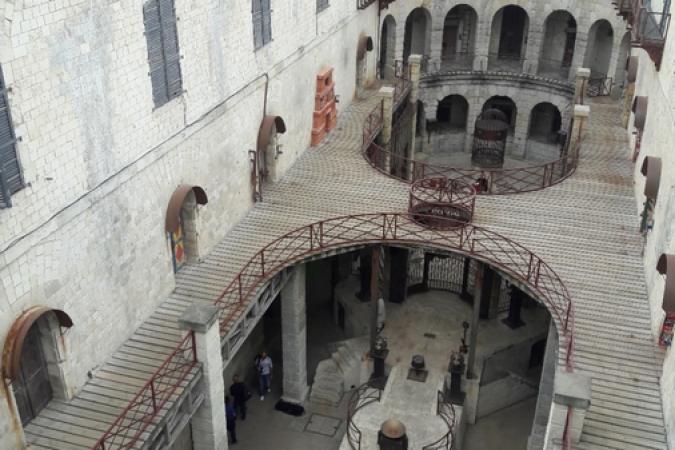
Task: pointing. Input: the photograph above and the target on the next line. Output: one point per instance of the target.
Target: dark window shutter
(10, 170)
(159, 17)
(267, 21)
(321, 5)
(171, 51)
(257, 12)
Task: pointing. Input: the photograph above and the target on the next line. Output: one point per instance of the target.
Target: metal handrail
(373, 124)
(398, 228)
(600, 86)
(446, 411)
(402, 82)
(151, 398)
(363, 396)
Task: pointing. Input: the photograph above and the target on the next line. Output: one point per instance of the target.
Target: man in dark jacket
(231, 418)
(240, 395)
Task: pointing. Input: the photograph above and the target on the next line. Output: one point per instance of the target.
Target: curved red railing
(399, 228)
(372, 125)
(491, 181)
(130, 424)
(452, 201)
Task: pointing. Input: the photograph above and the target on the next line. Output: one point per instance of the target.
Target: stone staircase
(342, 371)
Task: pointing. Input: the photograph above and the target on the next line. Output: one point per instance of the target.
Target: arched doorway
(557, 50)
(599, 49)
(364, 45)
(505, 105)
(624, 52)
(452, 113)
(268, 150)
(545, 123)
(459, 38)
(387, 48)
(181, 224)
(508, 39)
(33, 359)
(417, 38)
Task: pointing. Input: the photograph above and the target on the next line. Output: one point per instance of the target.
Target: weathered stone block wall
(657, 140)
(87, 233)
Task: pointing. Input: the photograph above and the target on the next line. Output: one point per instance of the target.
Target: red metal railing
(446, 411)
(151, 399)
(398, 228)
(452, 201)
(373, 125)
(492, 181)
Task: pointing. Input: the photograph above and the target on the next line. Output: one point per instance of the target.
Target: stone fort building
(185, 184)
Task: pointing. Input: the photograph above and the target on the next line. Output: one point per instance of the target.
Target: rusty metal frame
(141, 411)
(446, 411)
(651, 169)
(666, 266)
(451, 201)
(11, 352)
(176, 203)
(363, 396)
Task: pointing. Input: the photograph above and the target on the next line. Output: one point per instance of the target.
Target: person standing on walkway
(239, 395)
(231, 419)
(265, 374)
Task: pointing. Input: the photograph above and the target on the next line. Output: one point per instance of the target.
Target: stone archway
(387, 48)
(181, 224)
(599, 48)
(417, 38)
(508, 39)
(557, 49)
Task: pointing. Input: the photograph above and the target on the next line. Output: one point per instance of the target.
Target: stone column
(482, 44)
(415, 62)
(294, 337)
(208, 423)
(581, 113)
(477, 294)
(535, 35)
(581, 85)
(386, 94)
(571, 399)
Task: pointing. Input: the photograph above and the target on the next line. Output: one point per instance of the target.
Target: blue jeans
(264, 383)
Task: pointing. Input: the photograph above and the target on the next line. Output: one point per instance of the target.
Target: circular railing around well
(441, 203)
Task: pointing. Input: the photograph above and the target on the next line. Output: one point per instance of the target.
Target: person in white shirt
(265, 374)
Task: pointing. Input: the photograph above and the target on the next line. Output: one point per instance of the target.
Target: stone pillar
(535, 35)
(386, 94)
(581, 113)
(398, 278)
(415, 63)
(208, 423)
(294, 337)
(571, 399)
(628, 103)
(482, 44)
(473, 340)
(581, 85)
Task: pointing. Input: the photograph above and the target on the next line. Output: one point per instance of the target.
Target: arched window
(459, 37)
(508, 40)
(505, 105)
(599, 48)
(417, 39)
(557, 50)
(387, 48)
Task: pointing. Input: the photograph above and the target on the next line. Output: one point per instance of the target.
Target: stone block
(572, 389)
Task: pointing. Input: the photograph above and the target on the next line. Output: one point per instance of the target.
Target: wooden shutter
(321, 5)
(159, 17)
(257, 14)
(174, 81)
(153, 35)
(267, 21)
(10, 170)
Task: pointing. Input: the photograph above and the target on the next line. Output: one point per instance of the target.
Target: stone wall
(657, 141)
(526, 91)
(87, 235)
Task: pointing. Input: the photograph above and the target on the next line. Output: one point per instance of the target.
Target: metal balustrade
(363, 396)
(153, 397)
(451, 201)
(446, 411)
